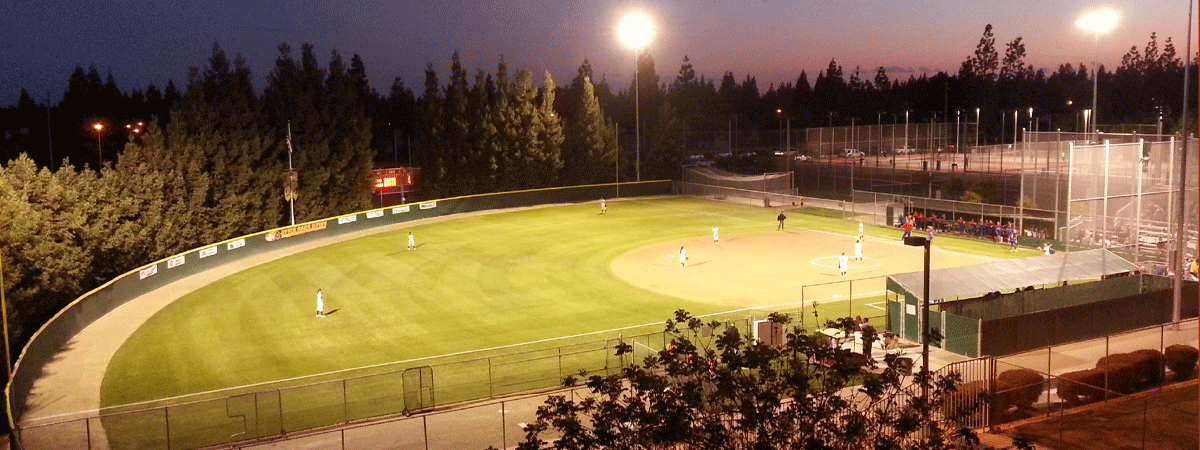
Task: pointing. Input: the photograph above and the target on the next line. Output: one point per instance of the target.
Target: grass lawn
(547, 290)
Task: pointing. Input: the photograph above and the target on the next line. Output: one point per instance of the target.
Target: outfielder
(682, 257)
(412, 243)
(320, 305)
(603, 206)
(716, 238)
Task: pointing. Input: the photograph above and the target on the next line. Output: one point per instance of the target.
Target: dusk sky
(143, 42)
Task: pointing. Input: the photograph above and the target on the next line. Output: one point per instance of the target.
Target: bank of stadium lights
(635, 30)
(1097, 22)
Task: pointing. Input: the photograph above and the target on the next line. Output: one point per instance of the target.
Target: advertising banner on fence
(402, 209)
(149, 271)
(429, 205)
(294, 231)
(347, 219)
(175, 262)
(208, 252)
(235, 244)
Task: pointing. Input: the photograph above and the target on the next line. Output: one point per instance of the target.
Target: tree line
(209, 161)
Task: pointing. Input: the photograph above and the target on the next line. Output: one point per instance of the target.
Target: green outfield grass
(494, 303)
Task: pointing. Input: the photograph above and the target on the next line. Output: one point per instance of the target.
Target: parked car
(853, 153)
(904, 150)
(801, 158)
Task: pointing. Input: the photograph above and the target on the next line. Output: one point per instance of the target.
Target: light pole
(976, 127)
(635, 31)
(1097, 22)
(918, 241)
(99, 127)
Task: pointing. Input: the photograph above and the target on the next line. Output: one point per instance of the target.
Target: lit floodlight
(1098, 21)
(635, 30)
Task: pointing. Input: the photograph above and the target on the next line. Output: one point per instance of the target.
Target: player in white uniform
(858, 250)
(682, 257)
(603, 206)
(320, 305)
(716, 237)
(860, 231)
(412, 243)
(843, 261)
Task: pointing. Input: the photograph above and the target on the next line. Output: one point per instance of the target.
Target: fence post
(345, 404)
(167, 423)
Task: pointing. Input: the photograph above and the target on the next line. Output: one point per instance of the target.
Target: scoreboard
(397, 179)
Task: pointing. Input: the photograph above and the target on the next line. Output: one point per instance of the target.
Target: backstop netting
(1122, 196)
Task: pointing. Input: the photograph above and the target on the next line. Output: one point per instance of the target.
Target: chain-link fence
(417, 386)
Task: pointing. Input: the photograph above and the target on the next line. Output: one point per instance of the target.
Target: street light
(635, 30)
(1097, 22)
(99, 127)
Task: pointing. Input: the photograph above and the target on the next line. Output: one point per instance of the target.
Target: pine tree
(45, 228)
(590, 144)
(455, 147)
(666, 151)
(220, 120)
(550, 160)
(349, 129)
(524, 151)
(429, 137)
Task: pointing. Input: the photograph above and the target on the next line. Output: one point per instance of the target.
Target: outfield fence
(427, 385)
(59, 330)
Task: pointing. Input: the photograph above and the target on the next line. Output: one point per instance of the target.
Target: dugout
(975, 320)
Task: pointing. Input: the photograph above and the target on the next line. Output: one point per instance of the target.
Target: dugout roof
(1007, 275)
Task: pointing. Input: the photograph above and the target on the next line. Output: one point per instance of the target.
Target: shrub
(1181, 359)
(1018, 387)
(1081, 387)
(1130, 372)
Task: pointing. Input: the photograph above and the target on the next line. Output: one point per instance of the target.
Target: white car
(854, 153)
(801, 158)
(904, 150)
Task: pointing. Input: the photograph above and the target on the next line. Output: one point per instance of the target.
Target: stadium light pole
(635, 31)
(1097, 22)
(976, 127)
(1180, 230)
(920, 241)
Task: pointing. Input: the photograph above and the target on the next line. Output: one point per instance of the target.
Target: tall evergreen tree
(590, 143)
(429, 137)
(349, 130)
(666, 151)
(549, 161)
(220, 121)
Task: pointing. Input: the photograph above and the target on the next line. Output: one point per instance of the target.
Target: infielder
(682, 257)
(860, 230)
(716, 238)
(843, 261)
(320, 305)
(858, 250)
(412, 243)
